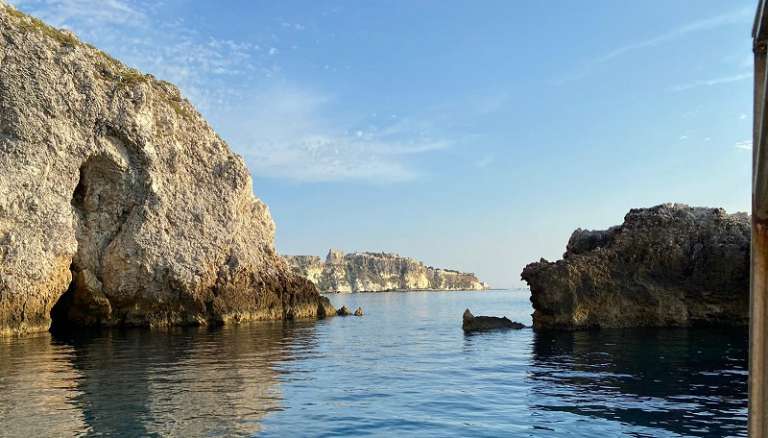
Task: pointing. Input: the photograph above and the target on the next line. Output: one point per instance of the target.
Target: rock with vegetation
(472, 323)
(120, 204)
(670, 265)
(377, 272)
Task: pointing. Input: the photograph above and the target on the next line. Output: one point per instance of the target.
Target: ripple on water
(404, 368)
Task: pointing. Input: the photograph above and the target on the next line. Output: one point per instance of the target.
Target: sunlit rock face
(376, 272)
(117, 192)
(670, 265)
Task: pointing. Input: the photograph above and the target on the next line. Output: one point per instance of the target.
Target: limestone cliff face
(375, 272)
(670, 265)
(117, 192)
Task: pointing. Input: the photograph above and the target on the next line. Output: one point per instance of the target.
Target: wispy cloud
(62, 13)
(292, 138)
(484, 162)
(282, 131)
(169, 49)
(335, 157)
(733, 17)
(712, 82)
(746, 145)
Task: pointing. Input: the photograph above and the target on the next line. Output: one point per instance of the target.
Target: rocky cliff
(670, 265)
(119, 204)
(375, 272)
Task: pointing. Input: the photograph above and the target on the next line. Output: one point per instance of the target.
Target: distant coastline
(490, 289)
(379, 272)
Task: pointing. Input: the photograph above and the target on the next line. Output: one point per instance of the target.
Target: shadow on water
(684, 381)
(180, 382)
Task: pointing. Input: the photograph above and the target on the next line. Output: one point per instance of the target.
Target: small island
(378, 272)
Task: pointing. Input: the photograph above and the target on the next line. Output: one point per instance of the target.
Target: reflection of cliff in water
(692, 381)
(184, 382)
(38, 388)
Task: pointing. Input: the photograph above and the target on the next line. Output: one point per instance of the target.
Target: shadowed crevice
(100, 203)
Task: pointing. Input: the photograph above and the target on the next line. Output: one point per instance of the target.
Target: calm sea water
(405, 369)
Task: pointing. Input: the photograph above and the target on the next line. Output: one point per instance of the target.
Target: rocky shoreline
(122, 206)
(667, 266)
(378, 272)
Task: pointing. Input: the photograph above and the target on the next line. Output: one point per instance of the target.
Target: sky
(470, 135)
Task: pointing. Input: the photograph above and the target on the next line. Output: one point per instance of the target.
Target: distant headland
(378, 272)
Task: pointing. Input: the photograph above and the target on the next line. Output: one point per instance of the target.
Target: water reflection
(184, 382)
(394, 372)
(690, 382)
(38, 388)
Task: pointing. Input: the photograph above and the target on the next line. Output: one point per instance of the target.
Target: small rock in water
(343, 311)
(477, 323)
(359, 311)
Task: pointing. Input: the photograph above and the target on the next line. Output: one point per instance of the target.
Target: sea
(403, 369)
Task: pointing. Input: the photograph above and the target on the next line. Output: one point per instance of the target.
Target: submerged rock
(472, 323)
(670, 265)
(117, 192)
(376, 272)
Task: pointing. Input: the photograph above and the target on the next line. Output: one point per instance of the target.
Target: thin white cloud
(169, 49)
(743, 15)
(746, 145)
(61, 13)
(712, 82)
(484, 162)
(284, 133)
(733, 17)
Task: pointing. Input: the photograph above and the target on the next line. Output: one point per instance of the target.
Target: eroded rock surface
(116, 190)
(670, 265)
(376, 272)
(472, 323)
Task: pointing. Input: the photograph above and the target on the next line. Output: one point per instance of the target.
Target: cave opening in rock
(100, 202)
(60, 320)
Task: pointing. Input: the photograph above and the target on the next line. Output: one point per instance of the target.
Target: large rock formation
(670, 265)
(117, 192)
(375, 272)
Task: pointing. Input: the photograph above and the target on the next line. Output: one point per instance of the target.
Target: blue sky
(470, 135)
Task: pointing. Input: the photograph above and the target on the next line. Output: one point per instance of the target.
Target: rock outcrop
(472, 323)
(120, 203)
(376, 272)
(670, 265)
